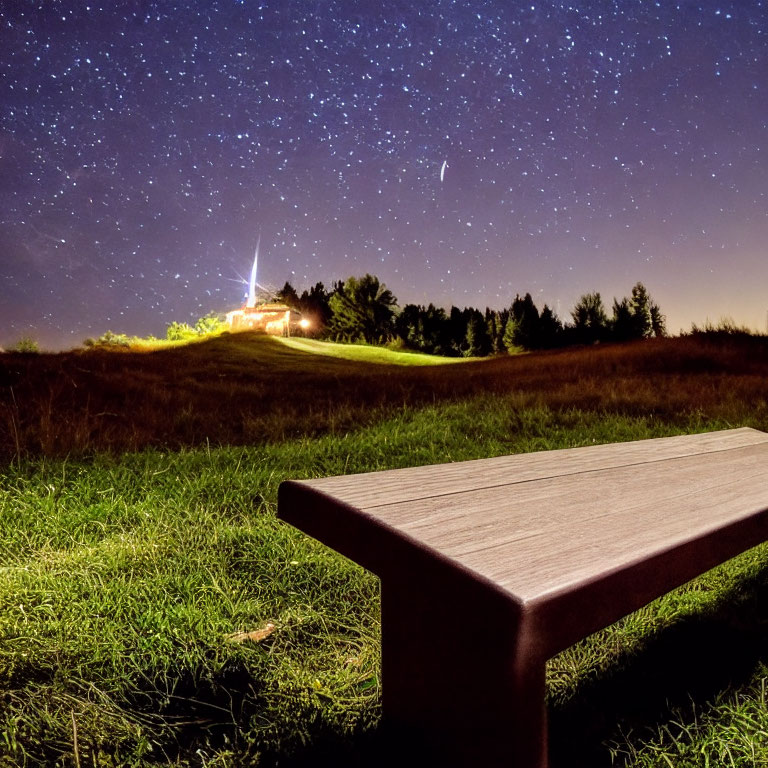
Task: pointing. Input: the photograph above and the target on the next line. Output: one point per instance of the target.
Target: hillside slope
(248, 388)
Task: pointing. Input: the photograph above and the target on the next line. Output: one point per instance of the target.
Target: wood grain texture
(391, 486)
(540, 550)
(543, 535)
(538, 524)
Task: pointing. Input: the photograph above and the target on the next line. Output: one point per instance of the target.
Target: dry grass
(246, 389)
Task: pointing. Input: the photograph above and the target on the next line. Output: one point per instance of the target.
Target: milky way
(461, 151)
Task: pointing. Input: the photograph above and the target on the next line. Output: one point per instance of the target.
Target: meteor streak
(442, 170)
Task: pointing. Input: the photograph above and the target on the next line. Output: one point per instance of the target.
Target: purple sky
(462, 151)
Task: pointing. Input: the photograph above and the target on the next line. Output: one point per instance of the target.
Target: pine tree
(288, 296)
(525, 331)
(510, 334)
(457, 330)
(550, 329)
(478, 342)
(313, 305)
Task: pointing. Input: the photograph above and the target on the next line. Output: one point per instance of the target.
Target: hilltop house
(271, 318)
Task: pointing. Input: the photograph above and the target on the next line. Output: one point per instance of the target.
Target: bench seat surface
(537, 525)
(532, 553)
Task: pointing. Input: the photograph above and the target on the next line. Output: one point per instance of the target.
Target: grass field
(367, 353)
(154, 612)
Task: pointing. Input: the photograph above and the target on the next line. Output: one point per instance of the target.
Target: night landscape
(244, 242)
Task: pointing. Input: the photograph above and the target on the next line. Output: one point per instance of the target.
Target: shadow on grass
(371, 750)
(692, 661)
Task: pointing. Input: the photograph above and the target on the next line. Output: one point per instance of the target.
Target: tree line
(364, 310)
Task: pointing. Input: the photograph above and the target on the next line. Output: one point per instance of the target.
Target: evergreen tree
(423, 328)
(550, 329)
(288, 296)
(495, 323)
(314, 307)
(525, 331)
(510, 334)
(491, 320)
(435, 331)
(502, 317)
(478, 342)
(457, 330)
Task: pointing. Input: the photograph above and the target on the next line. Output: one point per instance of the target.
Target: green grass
(123, 580)
(125, 576)
(369, 353)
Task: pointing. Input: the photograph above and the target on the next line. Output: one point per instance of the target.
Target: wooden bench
(490, 567)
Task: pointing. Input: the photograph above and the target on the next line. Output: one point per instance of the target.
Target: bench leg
(461, 677)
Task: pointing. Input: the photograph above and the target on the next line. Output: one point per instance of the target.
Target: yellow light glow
(304, 323)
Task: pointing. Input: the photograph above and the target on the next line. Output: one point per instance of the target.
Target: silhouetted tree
(622, 322)
(407, 325)
(590, 322)
(362, 310)
(478, 342)
(496, 323)
(437, 330)
(658, 321)
(637, 317)
(314, 306)
(287, 294)
(424, 328)
(525, 330)
(641, 312)
(491, 319)
(550, 329)
(457, 329)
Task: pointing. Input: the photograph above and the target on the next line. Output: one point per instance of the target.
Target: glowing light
(252, 285)
(304, 323)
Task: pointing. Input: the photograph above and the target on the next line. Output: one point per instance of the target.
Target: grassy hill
(247, 388)
(367, 353)
(154, 612)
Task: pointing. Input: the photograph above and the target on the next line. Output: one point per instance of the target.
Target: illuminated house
(271, 318)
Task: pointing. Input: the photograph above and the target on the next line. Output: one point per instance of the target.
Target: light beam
(252, 285)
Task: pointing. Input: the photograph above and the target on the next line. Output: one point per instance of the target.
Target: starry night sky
(462, 150)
